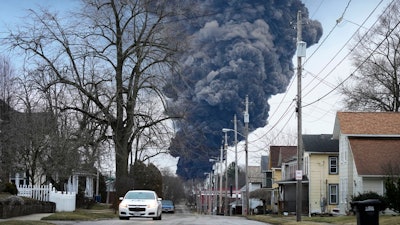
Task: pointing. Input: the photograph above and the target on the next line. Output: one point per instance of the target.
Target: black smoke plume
(237, 48)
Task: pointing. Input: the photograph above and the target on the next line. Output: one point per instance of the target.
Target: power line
(340, 50)
(362, 63)
(315, 76)
(316, 50)
(329, 34)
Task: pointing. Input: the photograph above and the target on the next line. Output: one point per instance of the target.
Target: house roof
(279, 154)
(367, 123)
(373, 155)
(320, 143)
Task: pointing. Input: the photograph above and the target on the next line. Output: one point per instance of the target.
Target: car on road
(140, 203)
(168, 206)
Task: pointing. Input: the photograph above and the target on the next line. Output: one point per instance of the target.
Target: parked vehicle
(140, 203)
(168, 206)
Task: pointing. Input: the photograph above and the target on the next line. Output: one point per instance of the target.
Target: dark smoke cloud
(238, 48)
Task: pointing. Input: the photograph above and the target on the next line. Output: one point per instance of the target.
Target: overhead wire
(324, 78)
(323, 41)
(359, 66)
(321, 80)
(276, 136)
(292, 80)
(340, 50)
(277, 122)
(319, 46)
(329, 34)
(317, 9)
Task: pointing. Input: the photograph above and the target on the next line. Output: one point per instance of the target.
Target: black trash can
(367, 211)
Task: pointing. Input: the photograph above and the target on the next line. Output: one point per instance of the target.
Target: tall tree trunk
(122, 184)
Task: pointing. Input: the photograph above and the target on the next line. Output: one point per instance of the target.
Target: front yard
(317, 220)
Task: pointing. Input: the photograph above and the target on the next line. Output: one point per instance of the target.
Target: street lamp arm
(227, 130)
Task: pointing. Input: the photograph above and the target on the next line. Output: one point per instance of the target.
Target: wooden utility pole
(226, 174)
(220, 180)
(246, 134)
(236, 161)
(299, 125)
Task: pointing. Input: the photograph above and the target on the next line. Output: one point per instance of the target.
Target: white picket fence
(65, 201)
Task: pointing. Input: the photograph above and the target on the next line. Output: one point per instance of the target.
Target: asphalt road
(182, 216)
(171, 219)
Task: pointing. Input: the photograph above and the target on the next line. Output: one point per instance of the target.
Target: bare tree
(148, 145)
(7, 78)
(173, 187)
(392, 185)
(114, 54)
(375, 85)
(6, 95)
(28, 132)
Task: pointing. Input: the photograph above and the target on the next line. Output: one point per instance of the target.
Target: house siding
(319, 180)
(276, 176)
(360, 135)
(374, 185)
(345, 174)
(351, 183)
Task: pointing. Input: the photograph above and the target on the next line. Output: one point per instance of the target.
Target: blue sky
(317, 118)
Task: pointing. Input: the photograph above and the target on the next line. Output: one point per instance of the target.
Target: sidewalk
(37, 216)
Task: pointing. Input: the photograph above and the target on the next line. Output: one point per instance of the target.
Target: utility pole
(301, 46)
(246, 134)
(236, 166)
(220, 181)
(216, 189)
(209, 194)
(226, 174)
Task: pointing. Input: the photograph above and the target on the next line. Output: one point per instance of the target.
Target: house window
(268, 179)
(333, 165)
(333, 194)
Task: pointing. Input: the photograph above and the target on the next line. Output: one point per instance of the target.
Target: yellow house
(321, 167)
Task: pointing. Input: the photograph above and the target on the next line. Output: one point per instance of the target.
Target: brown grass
(337, 220)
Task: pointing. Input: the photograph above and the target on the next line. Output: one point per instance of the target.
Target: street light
(225, 130)
(209, 191)
(246, 119)
(216, 172)
(226, 173)
(220, 178)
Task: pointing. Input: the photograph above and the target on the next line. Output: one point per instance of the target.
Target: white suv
(140, 203)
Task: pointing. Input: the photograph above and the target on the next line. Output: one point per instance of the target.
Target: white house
(369, 142)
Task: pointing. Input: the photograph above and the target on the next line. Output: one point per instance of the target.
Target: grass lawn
(316, 220)
(82, 214)
(21, 222)
(98, 212)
